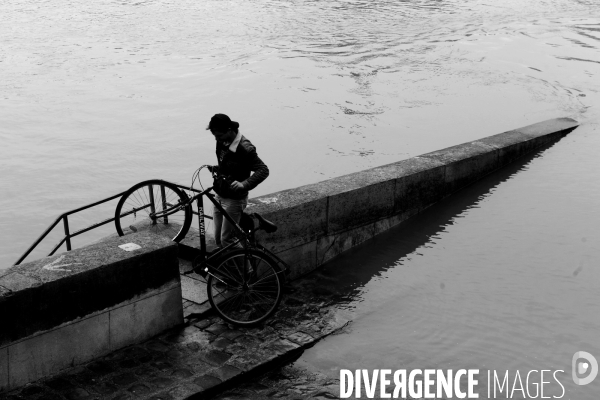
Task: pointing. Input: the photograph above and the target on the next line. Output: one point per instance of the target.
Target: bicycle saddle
(268, 226)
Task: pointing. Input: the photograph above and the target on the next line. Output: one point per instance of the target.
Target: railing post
(67, 234)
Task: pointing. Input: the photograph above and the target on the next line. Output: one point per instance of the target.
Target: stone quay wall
(65, 310)
(68, 309)
(319, 221)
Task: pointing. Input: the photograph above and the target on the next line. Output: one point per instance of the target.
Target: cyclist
(240, 170)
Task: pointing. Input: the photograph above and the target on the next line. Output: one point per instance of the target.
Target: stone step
(193, 291)
(201, 358)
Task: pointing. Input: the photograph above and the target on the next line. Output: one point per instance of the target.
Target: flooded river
(95, 97)
(500, 277)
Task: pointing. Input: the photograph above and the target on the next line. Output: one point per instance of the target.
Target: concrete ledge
(4, 368)
(316, 223)
(306, 206)
(48, 353)
(202, 357)
(137, 321)
(48, 292)
(319, 221)
(64, 310)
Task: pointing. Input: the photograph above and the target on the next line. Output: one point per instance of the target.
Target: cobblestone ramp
(289, 382)
(202, 358)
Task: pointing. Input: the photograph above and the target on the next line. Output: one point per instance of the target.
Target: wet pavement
(206, 356)
(288, 382)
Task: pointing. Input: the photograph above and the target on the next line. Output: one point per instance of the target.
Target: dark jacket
(238, 166)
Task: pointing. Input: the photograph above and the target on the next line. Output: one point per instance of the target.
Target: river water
(95, 97)
(500, 277)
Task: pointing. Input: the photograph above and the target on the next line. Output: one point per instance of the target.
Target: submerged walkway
(203, 357)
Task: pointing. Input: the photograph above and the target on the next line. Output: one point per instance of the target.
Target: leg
(234, 208)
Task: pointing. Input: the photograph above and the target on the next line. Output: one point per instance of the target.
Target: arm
(260, 169)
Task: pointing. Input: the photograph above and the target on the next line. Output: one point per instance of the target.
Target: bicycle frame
(200, 203)
(202, 231)
(241, 237)
(244, 279)
(201, 227)
(238, 228)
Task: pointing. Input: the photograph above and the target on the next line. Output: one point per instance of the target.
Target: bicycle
(244, 285)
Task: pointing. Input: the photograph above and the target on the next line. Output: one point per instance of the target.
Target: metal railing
(68, 235)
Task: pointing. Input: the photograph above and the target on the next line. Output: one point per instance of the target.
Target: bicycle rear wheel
(245, 288)
(137, 208)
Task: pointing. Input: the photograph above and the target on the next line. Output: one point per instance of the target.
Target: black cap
(222, 123)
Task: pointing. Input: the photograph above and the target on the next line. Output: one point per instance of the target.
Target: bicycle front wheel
(245, 287)
(156, 206)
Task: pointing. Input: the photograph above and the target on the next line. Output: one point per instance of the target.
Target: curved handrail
(68, 234)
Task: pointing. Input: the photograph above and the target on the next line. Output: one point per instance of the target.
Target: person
(243, 171)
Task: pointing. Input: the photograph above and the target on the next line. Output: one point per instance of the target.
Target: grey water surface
(500, 277)
(97, 96)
